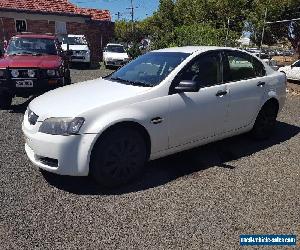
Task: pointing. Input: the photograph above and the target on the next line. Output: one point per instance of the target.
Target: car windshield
(296, 64)
(31, 46)
(76, 40)
(150, 69)
(115, 48)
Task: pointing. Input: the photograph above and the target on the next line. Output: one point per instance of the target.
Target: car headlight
(62, 126)
(31, 73)
(51, 72)
(15, 73)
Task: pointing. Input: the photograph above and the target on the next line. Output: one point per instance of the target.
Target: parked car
(79, 48)
(266, 58)
(272, 63)
(114, 55)
(292, 71)
(32, 64)
(164, 102)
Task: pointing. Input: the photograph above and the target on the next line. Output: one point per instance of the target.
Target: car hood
(116, 55)
(285, 67)
(76, 99)
(75, 47)
(25, 61)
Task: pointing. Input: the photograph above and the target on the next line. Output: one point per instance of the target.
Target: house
(56, 17)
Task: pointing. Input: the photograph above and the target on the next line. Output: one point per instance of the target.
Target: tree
(188, 22)
(204, 22)
(203, 34)
(276, 10)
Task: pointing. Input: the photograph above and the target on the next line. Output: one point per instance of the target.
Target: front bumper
(64, 155)
(116, 63)
(39, 85)
(83, 59)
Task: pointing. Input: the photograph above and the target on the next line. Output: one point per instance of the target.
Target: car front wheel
(265, 121)
(119, 157)
(67, 78)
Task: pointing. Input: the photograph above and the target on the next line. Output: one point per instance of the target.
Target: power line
(284, 21)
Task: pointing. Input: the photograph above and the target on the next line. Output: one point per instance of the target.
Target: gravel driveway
(201, 199)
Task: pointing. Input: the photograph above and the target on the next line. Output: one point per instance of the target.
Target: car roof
(51, 37)
(193, 49)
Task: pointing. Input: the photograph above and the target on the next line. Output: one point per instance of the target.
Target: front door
(199, 115)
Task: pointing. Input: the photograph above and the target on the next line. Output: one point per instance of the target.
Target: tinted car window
(115, 49)
(240, 66)
(205, 70)
(297, 64)
(76, 40)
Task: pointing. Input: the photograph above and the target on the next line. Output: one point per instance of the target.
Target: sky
(143, 8)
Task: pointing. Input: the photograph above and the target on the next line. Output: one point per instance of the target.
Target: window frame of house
(22, 20)
(58, 27)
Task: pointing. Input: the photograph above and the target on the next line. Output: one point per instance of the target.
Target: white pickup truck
(79, 47)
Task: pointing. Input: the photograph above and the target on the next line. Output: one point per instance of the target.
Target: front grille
(78, 57)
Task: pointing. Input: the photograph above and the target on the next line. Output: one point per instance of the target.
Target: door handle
(261, 84)
(221, 93)
(157, 120)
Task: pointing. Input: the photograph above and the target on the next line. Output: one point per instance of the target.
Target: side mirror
(187, 86)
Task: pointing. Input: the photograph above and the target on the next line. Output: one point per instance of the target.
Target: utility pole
(227, 33)
(263, 32)
(132, 15)
(118, 15)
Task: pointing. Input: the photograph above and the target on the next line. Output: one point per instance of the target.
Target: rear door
(246, 80)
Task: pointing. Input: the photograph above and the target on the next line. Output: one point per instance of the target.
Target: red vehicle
(31, 65)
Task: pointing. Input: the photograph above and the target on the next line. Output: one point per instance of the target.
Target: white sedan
(163, 102)
(292, 71)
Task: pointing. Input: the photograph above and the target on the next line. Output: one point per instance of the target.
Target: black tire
(118, 157)
(67, 81)
(88, 65)
(265, 122)
(67, 78)
(5, 100)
